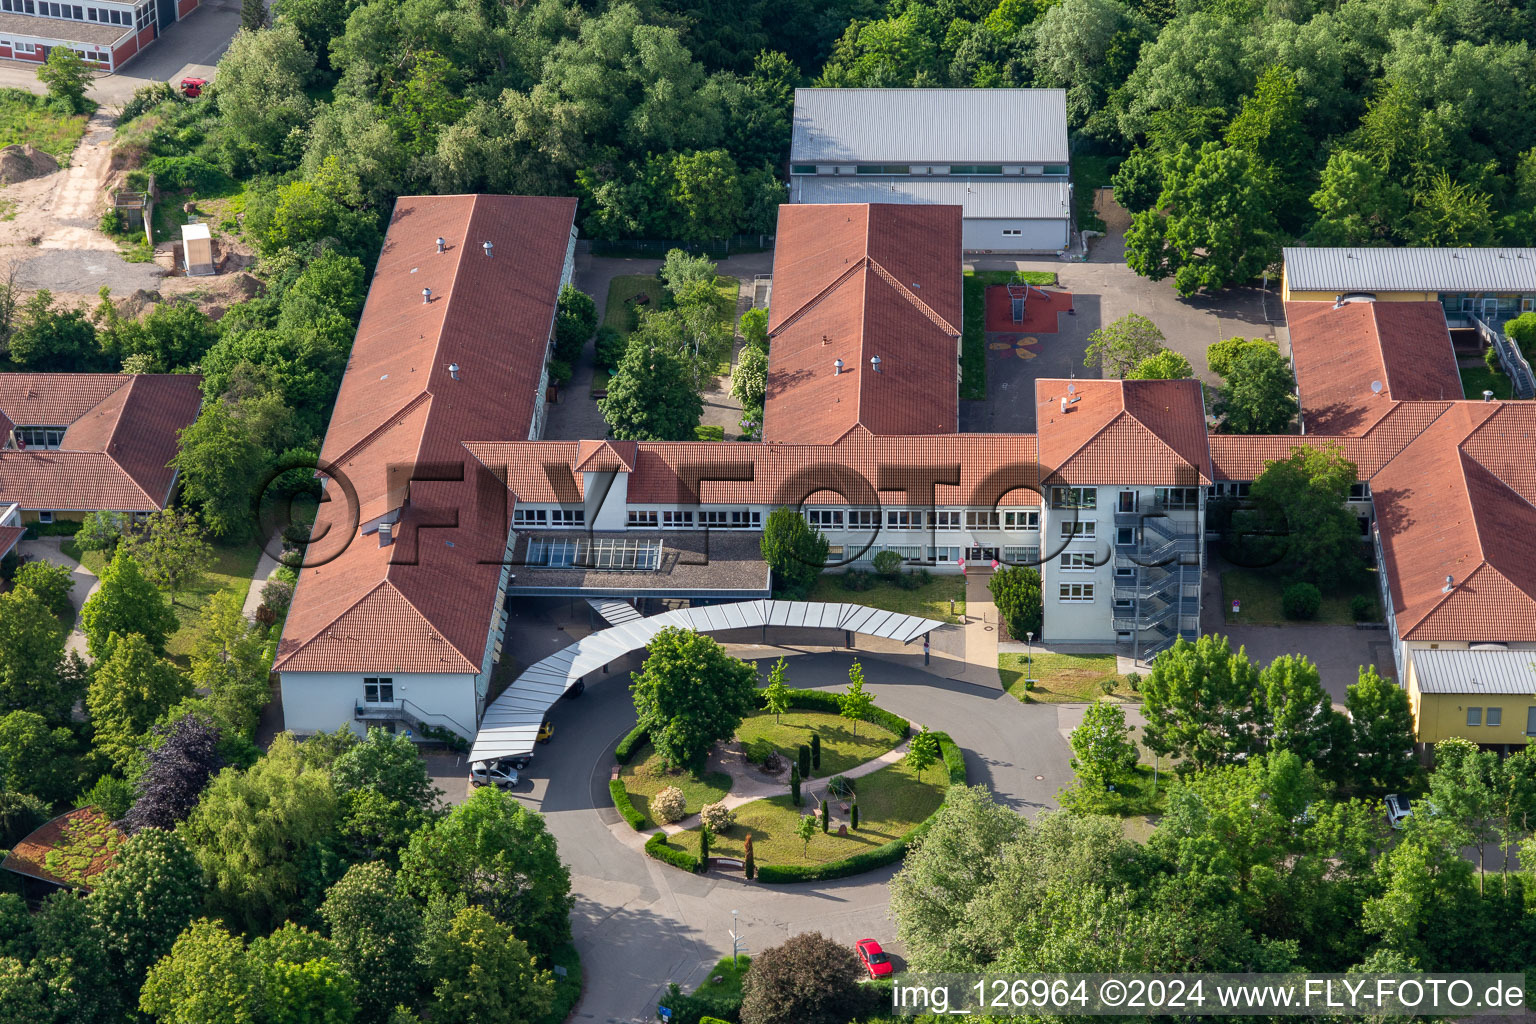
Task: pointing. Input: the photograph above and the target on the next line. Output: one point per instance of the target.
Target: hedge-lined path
(758, 789)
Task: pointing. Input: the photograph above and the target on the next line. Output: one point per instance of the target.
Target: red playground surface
(1040, 310)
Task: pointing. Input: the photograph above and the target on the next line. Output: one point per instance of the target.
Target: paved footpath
(46, 549)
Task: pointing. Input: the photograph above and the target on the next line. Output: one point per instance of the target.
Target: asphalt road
(640, 924)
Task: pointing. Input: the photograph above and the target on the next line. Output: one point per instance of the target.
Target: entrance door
(1127, 501)
(1490, 308)
(166, 9)
(1530, 721)
(980, 554)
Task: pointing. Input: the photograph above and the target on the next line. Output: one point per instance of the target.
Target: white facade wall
(1013, 235)
(325, 701)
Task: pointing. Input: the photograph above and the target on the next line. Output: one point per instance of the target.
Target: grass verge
(1477, 379)
(646, 777)
(1259, 594)
(25, 117)
(931, 600)
(841, 749)
(973, 335)
(1062, 678)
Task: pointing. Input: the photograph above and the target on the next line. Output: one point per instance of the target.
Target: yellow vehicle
(546, 731)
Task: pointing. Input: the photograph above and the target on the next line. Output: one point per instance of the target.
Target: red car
(875, 960)
(193, 87)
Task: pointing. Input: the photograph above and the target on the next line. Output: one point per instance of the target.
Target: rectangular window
(5, 5)
(1021, 554)
(1178, 498)
(903, 519)
(1124, 602)
(607, 553)
(825, 518)
(91, 11)
(117, 17)
(863, 519)
(1055, 168)
(1495, 717)
(910, 554)
(803, 169)
(1474, 716)
(1079, 530)
(1076, 593)
(1028, 519)
(1078, 561)
(983, 520)
(644, 517)
(834, 553)
(45, 517)
(568, 516)
(1125, 535)
(946, 554)
(530, 517)
(1124, 572)
(378, 690)
(945, 520)
(1009, 232)
(1075, 497)
(746, 519)
(975, 168)
(1359, 492)
(677, 519)
(38, 437)
(882, 169)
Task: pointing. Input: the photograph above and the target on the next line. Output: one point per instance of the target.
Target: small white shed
(197, 250)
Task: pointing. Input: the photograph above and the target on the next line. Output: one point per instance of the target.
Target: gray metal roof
(1472, 672)
(511, 724)
(1410, 270)
(963, 126)
(983, 197)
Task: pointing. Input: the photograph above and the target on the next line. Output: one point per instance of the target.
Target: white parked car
(1399, 810)
(492, 773)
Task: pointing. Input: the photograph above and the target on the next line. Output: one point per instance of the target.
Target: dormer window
(39, 437)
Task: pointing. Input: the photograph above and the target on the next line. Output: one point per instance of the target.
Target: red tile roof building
(84, 442)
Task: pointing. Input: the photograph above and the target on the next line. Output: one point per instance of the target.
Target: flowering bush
(668, 805)
(718, 817)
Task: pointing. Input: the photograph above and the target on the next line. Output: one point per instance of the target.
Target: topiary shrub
(668, 805)
(1134, 680)
(717, 817)
(658, 847)
(1362, 608)
(887, 564)
(1301, 601)
(632, 742)
(759, 751)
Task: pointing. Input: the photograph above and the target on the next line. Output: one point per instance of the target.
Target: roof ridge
(112, 438)
(816, 299)
(392, 420)
(441, 634)
(911, 297)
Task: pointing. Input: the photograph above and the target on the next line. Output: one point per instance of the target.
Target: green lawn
(730, 971)
(644, 777)
(1090, 172)
(1477, 379)
(1259, 593)
(1062, 678)
(931, 600)
(892, 802)
(840, 748)
(620, 311)
(973, 336)
(27, 118)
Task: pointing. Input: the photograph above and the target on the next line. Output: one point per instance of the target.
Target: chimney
(426, 296)
(1063, 403)
(453, 370)
(487, 248)
(442, 243)
(874, 364)
(386, 534)
(1487, 396)
(837, 367)
(1450, 585)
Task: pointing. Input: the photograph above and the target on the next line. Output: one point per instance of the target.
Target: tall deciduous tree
(1101, 746)
(34, 758)
(388, 764)
(31, 648)
(1305, 493)
(66, 74)
(653, 396)
(180, 759)
(690, 694)
(1298, 715)
(795, 552)
(1119, 347)
(229, 661)
(377, 934)
(125, 603)
(1199, 703)
(171, 549)
(301, 980)
(50, 582)
(1166, 365)
(808, 979)
(219, 464)
(1383, 741)
(72, 963)
(144, 901)
(1255, 396)
(1016, 593)
(1357, 202)
(855, 703)
(923, 752)
(207, 978)
(484, 974)
(130, 688)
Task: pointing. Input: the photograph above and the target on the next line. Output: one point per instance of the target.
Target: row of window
(75, 12)
(942, 554)
(918, 519)
(545, 517)
(87, 53)
(609, 553)
(1357, 492)
(1059, 170)
(685, 519)
(1495, 716)
(38, 437)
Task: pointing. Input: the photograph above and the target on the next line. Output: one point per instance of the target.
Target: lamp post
(1029, 657)
(735, 941)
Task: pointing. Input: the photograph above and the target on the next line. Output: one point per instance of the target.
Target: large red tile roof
(118, 444)
(1340, 351)
(854, 282)
(1143, 432)
(424, 603)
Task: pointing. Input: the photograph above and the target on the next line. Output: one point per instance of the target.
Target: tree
(285, 807)
(1255, 396)
(1357, 203)
(803, 760)
(1451, 214)
(706, 192)
(1165, 365)
(496, 854)
(1119, 347)
(50, 582)
(1199, 703)
(388, 764)
(1213, 225)
(690, 694)
(1139, 181)
(99, 531)
(776, 695)
(816, 750)
(826, 817)
(682, 271)
(260, 91)
(219, 462)
(923, 752)
(376, 932)
(66, 74)
(73, 964)
(484, 974)
(299, 989)
(144, 900)
(1305, 495)
(31, 649)
(749, 862)
(178, 762)
(1299, 715)
(35, 758)
(253, 15)
(126, 603)
(808, 979)
(1102, 750)
(229, 660)
(754, 327)
(854, 703)
(1220, 355)
(575, 320)
(171, 550)
(652, 397)
(1383, 743)
(207, 978)
(1464, 790)
(749, 380)
(1016, 592)
(794, 551)
(805, 829)
(49, 339)
(130, 688)
(794, 784)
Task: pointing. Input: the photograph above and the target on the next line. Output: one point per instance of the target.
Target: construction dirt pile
(22, 163)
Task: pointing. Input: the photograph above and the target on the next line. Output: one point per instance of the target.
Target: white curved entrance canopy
(511, 723)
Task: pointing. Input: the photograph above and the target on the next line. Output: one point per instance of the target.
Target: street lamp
(735, 941)
(1029, 656)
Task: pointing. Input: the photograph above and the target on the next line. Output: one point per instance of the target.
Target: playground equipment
(1018, 297)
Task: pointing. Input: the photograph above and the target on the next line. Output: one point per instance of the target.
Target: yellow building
(1486, 693)
(1492, 284)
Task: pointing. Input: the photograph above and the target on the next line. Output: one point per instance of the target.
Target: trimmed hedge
(657, 847)
(621, 801)
(632, 741)
(880, 856)
(821, 700)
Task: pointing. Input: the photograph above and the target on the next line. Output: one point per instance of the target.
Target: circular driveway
(640, 924)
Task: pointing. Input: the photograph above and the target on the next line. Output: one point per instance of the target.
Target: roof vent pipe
(1063, 403)
(1487, 396)
(426, 295)
(453, 370)
(442, 243)
(1450, 585)
(837, 367)
(874, 363)
(487, 248)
